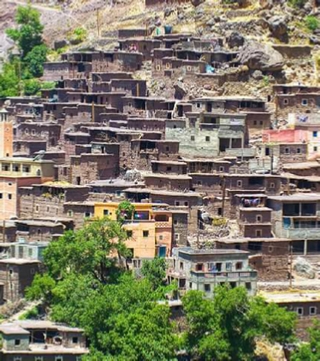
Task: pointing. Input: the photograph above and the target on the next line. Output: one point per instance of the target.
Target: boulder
(235, 39)
(257, 75)
(303, 268)
(260, 57)
(314, 39)
(278, 26)
(59, 44)
(197, 2)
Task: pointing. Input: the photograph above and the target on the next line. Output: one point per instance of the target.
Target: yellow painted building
(149, 231)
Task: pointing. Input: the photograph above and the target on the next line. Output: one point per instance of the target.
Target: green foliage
(125, 211)
(35, 59)
(79, 35)
(311, 350)
(41, 288)
(85, 251)
(154, 271)
(226, 327)
(47, 85)
(29, 32)
(9, 80)
(312, 22)
(30, 314)
(31, 86)
(297, 3)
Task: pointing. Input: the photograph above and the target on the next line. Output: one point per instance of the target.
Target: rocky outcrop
(235, 39)
(260, 57)
(278, 26)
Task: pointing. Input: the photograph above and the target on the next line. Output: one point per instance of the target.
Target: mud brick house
(143, 45)
(169, 182)
(16, 274)
(158, 125)
(203, 270)
(268, 256)
(28, 148)
(78, 212)
(143, 106)
(35, 340)
(207, 134)
(296, 216)
(169, 167)
(305, 303)
(255, 221)
(47, 200)
(114, 186)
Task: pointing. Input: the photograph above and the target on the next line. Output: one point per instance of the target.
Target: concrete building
(203, 270)
(41, 341)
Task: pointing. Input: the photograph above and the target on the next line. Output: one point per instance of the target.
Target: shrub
(312, 23)
(297, 3)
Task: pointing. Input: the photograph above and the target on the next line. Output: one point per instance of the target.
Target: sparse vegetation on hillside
(312, 22)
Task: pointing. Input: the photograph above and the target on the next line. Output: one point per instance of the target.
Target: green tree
(31, 86)
(227, 327)
(29, 32)
(89, 251)
(311, 350)
(125, 211)
(9, 79)
(312, 22)
(35, 59)
(155, 271)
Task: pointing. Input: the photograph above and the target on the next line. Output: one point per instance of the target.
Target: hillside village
(211, 135)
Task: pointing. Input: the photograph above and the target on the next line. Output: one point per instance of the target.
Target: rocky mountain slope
(257, 22)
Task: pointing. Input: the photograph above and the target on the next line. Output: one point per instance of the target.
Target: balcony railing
(223, 276)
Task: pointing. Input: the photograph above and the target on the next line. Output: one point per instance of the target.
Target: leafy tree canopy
(311, 350)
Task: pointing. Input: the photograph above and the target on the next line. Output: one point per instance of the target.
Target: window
(17, 342)
(129, 234)
(6, 167)
(239, 266)
(221, 169)
(38, 358)
(248, 286)
(270, 249)
(25, 169)
(286, 150)
(258, 218)
(186, 204)
(17, 359)
(207, 287)
(228, 266)
(198, 105)
(169, 169)
(16, 168)
(207, 139)
(10, 184)
(192, 137)
(261, 122)
(272, 185)
(199, 267)
(74, 339)
(177, 236)
(315, 134)
(254, 122)
(285, 101)
(239, 183)
(70, 213)
(258, 233)
(315, 149)
(37, 208)
(145, 234)
(105, 212)
(9, 196)
(177, 203)
(175, 222)
(299, 311)
(87, 214)
(181, 266)
(161, 237)
(304, 102)
(190, 285)
(0, 195)
(298, 150)
(312, 310)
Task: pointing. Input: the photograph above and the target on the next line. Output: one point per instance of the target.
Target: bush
(312, 23)
(31, 87)
(79, 35)
(297, 3)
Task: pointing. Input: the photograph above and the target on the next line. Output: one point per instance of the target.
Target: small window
(272, 185)
(254, 122)
(169, 169)
(161, 237)
(177, 236)
(199, 183)
(270, 249)
(190, 285)
(177, 203)
(207, 287)
(175, 222)
(75, 340)
(298, 151)
(70, 213)
(258, 233)
(181, 266)
(198, 105)
(239, 266)
(87, 214)
(207, 139)
(38, 358)
(105, 212)
(221, 169)
(239, 183)
(192, 138)
(248, 286)
(17, 359)
(300, 311)
(304, 102)
(285, 101)
(261, 122)
(48, 209)
(228, 266)
(145, 234)
(259, 218)
(315, 134)
(17, 342)
(0, 195)
(9, 196)
(129, 234)
(315, 149)
(186, 204)
(286, 150)
(312, 310)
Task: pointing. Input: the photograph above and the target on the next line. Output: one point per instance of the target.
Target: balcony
(163, 225)
(223, 276)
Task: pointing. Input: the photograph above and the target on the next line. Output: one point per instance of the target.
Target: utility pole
(223, 195)
(291, 266)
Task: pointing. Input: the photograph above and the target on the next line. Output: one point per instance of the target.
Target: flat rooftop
(294, 296)
(192, 251)
(297, 197)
